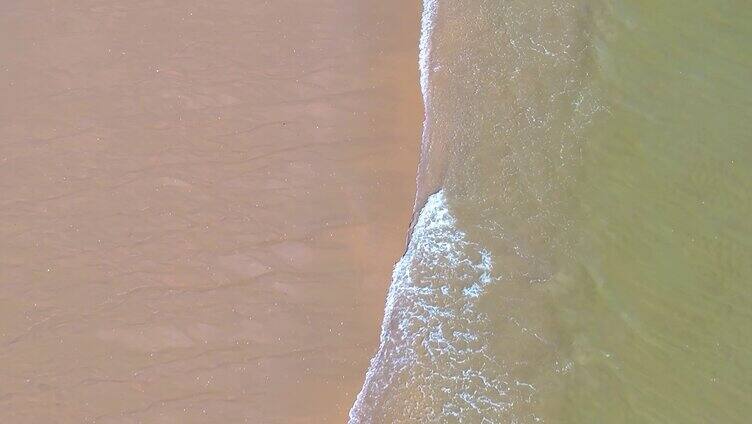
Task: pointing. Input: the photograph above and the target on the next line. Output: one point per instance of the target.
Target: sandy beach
(200, 205)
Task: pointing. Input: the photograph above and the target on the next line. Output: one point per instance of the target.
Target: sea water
(582, 248)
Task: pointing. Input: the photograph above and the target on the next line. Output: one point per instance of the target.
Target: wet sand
(200, 205)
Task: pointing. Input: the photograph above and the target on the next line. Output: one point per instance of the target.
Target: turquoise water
(586, 258)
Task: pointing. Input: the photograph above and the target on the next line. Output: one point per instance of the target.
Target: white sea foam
(426, 29)
(433, 361)
(428, 18)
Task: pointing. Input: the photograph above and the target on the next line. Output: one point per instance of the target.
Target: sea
(581, 250)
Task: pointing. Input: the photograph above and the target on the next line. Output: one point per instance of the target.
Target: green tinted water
(658, 311)
(589, 257)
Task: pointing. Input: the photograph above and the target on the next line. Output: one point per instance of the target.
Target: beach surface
(200, 205)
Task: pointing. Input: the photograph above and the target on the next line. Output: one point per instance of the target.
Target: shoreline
(202, 207)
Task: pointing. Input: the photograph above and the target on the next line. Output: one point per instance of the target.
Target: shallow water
(587, 256)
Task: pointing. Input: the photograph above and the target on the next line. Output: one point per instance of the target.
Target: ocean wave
(433, 363)
(505, 99)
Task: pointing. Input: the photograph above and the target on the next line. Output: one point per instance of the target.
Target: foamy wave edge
(435, 207)
(427, 24)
